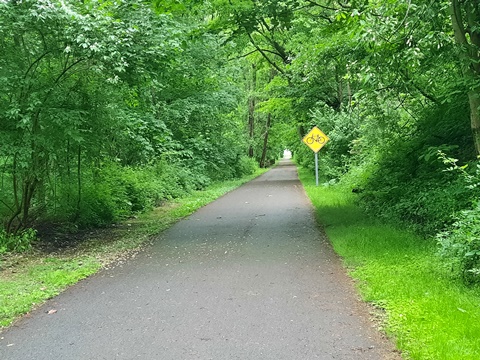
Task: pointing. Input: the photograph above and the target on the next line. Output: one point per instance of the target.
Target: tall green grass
(428, 313)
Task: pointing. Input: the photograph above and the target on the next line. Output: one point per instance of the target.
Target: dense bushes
(393, 163)
(460, 244)
(16, 243)
(409, 182)
(397, 166)
(116, 192)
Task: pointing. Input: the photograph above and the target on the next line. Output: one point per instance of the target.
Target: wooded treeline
(108, 107)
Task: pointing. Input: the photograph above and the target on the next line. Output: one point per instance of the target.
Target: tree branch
(264, 55)
(265, 24)
(35, 62)
(324, 17)
(403, 21)
(418, 88)
(243, 56)
(313, 3)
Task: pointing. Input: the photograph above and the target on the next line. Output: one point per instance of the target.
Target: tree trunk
(265, 141)
(350, 96)
(28, 192)
(251, 111)
(338, 79)
(79, 182)
(474, 100)
(464, 22)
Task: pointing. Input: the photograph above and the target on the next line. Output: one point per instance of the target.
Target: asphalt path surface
(249, 276)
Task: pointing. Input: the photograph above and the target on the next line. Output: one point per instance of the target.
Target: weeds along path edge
(429, 314)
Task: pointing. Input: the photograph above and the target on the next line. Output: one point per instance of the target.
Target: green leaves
(460, 245)
(91, 83)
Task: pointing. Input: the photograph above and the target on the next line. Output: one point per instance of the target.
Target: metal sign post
(315, 140)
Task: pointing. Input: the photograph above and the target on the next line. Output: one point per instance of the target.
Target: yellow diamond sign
(315, 139)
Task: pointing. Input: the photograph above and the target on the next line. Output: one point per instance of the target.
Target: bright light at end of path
(287, 154)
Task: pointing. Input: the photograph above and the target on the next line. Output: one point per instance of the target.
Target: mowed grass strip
(427, 312)
(27, 280)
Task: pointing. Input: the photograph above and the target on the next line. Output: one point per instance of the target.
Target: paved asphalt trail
(249, 276)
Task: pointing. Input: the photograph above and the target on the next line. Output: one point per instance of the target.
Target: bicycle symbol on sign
(315, 138)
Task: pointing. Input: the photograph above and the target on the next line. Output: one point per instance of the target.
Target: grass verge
(27, 280)
(429, 314)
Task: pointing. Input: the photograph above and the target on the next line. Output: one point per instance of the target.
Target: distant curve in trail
(249, 276)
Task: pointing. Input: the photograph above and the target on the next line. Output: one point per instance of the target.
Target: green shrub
(115, 192)
(390, 159)
(461, 244)
(101, 205)
(174, 179)
(111, 191)
(246, 166)
(425, 205)
(20, 242)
